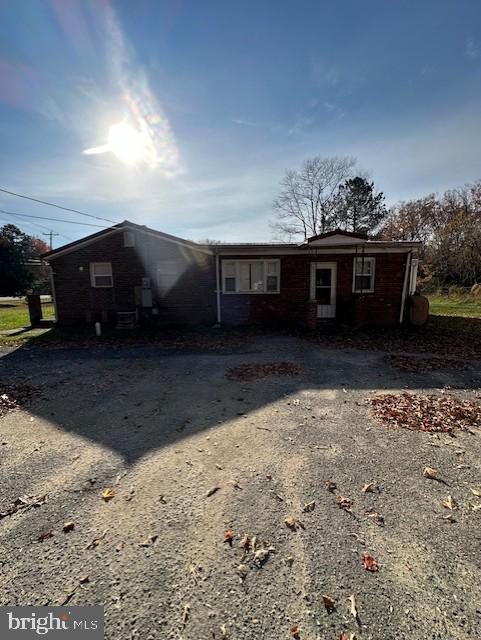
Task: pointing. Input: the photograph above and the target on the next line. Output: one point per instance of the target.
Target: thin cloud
(473, 50)
(145, 134)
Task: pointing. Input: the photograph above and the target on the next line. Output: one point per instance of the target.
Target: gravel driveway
(191, 454)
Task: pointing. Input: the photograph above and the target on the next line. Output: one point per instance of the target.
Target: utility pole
(50, 234)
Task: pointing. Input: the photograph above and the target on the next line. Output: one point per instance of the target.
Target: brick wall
(291, 305)
(191, 300)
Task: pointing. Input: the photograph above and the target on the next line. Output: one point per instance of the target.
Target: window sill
(250, 293)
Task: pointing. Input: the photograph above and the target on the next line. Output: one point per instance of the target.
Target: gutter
(405, 285)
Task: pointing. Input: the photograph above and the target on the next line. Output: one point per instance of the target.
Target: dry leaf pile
(14, 396)
(254, 371)
(434, 414)
(417, 364)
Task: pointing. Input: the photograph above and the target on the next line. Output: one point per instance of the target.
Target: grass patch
(13, 315)
(459, 305)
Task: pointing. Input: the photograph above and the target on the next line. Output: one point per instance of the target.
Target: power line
(57, 206)
(41, 226)
(28, 215)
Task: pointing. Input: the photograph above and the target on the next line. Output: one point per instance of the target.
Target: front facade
(338, 276)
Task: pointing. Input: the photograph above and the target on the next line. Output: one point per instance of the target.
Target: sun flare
(126, 143)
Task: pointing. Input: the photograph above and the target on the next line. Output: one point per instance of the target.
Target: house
(339, 276)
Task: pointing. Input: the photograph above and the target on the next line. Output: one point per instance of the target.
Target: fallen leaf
(242, 571)
(369, 487)
(185, 614)
(354, 611)
(262, 554)
(295, 632)
(293, 523)
(245, 542)
(329, 603)
(229, 536)
(149, 540)
(331, 486)
(344, 502)
(254, 543)
(43, 536)
(430, 473)
(212, 491)
(476, 492)
(84, 579)
(475, 507)
(449, 518)
(24, 503)
(309, 507)
(68, 526)
(377, 517)
(108, 494)
(96, 541)
(448, 503)
(369, 563)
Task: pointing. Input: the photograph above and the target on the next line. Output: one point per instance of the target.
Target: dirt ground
(191, 454)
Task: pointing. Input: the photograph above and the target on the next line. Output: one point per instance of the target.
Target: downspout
(54, 297)
(405, 285)
(217, 278)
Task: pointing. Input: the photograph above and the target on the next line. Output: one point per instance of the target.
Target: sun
(126, 143)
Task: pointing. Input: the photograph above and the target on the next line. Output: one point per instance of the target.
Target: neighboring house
(338, 275)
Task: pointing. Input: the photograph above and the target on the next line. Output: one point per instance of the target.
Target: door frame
(325, 265)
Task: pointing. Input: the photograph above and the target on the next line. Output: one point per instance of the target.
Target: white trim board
(316, 252)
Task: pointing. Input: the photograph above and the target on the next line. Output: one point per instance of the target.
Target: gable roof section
(126, 225)
(337, 237)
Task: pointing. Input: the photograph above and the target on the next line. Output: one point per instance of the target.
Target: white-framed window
(168, 273)
(101, 274)
(250, 276)
(129, 239)
(363, 275)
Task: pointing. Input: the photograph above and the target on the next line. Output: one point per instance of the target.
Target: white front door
(323, 288)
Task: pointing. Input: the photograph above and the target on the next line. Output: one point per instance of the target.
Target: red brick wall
(191, 300)
(290, 306)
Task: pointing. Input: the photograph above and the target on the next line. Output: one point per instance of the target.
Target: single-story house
(129, 268)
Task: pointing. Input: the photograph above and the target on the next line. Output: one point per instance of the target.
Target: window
(229, 277)
(363, 276)
(250, 276)
(101, 274)
(167, 275)
(129, 239)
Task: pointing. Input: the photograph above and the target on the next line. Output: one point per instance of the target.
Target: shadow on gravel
(135, 399)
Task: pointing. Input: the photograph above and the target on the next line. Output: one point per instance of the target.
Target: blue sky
(227, 96)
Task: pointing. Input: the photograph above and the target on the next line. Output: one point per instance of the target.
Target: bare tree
(449, 226)
(306, 205)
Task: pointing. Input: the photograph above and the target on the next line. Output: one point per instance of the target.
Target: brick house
(340, 276)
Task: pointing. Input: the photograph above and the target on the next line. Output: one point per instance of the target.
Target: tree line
(327, 193)
(20, 271)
